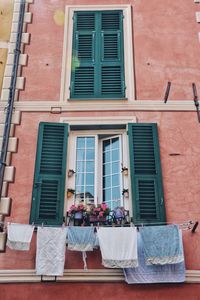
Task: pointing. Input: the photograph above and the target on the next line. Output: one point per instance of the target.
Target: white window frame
(100, 161)
(67, 51)
(71, 162)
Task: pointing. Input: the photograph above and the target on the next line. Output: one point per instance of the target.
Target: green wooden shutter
(146, 176)
(97, 56)
(112, 56)
(49, 178)
(83, 55)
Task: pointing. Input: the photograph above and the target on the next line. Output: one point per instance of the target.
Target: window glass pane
(115, 155)
(107, 195)
(80, 179)
(115, 167)
(107, 181)
(85, 166)
(80, 154)
(112, 172)
(90, 179)
(106, 145)
(115, 143)
(116, 193)
(115, 180)
(89, 166)
(90, 154)
(106, 156)
(90, 142)
(80, 166)
(89, 191)
(106, 169)
(81, 143)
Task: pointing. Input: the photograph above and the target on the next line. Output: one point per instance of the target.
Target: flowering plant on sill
(101, 210)
(80, 208)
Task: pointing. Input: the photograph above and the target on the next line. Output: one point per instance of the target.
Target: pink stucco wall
(166, 48)
(99, 291)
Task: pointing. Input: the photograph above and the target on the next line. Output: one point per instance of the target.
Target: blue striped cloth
(81, 238)
(168, 273)
(162, 244)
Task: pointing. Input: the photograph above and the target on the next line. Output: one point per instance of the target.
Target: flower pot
(97, 219)
(78, 215)
(78, 218)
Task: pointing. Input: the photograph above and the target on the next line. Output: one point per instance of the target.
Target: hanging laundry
(162, 244)
(19, 236)
(50, 251)
(118, 246)
(153, 273)
(81, 238)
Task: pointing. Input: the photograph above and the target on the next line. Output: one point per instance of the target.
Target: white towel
(118, 246)
(19, 236)
(50, 254)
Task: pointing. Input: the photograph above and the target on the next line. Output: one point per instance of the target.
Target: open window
(97, 156)
(97, 160)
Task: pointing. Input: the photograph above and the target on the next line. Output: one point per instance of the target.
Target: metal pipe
(196, 102)
(9, 108)
(167, 92)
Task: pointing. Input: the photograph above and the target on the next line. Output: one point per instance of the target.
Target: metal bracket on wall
(196, 101)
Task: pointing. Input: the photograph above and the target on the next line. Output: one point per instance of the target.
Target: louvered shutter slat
(97, 56)
(49, 178)
(146, 177)
(112, 60)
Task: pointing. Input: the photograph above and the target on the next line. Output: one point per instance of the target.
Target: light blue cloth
(153, 273)
(81, 238)
(162, 244)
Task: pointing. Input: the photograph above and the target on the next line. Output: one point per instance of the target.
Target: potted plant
(99, 213)
(76, 213)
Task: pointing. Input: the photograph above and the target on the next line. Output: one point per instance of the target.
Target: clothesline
(188, 225)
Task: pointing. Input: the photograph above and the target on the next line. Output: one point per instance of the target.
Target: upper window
(97, 55)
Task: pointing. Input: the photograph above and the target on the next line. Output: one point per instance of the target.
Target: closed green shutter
(97, 56)
(146, 176)
(49, 178)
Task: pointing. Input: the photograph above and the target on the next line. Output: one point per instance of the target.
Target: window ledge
(95, 99)
(78, 275)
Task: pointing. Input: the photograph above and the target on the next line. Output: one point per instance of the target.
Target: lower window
(97, 155)
(97, 161)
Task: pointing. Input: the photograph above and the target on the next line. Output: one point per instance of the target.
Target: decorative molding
(139, 105)
(4, 189)
(12, 144)
(16, 117)
(9, 174)
(98, 120)
(5, 206)
(78, 275)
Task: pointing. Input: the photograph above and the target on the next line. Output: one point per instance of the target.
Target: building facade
(90, 95)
